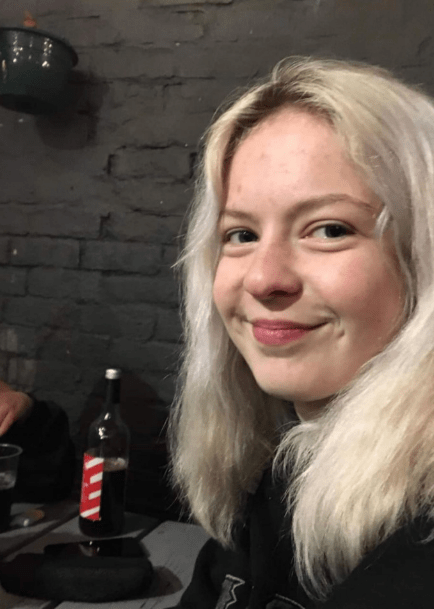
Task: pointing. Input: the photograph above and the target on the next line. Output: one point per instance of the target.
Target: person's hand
(14, 406)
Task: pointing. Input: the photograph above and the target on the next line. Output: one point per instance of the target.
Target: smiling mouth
(280, 333)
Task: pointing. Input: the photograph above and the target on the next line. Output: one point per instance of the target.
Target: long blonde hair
(366, 466)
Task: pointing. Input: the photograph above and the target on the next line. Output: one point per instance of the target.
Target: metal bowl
(34, 70)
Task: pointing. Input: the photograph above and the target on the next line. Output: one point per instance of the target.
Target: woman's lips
(270, 332)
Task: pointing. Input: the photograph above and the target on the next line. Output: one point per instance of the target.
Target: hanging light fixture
(34, 69)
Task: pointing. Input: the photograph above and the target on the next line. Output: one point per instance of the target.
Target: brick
(71, 187)
(164, 130)
(129, 257)
(130, 320)
(260, 21)
(4, 250)
(136, 321)
(4, 363)
(64, 221)
(171, 253)
(56, 376)
(248, 59)
(131, 26)
(31, 311)
(136, 226)
(149, 356)
(124, 101)
(48, 252)
(130, 289)
(64, 283)
(131, 62)
(181, 2)
(164, 384)
(22, 373)
(157, 199)
(197, 97)
(68, 168)
(171, 163)
(75, 347)
(17, 340)
(12, 281)
(168, 326)
(14, 219)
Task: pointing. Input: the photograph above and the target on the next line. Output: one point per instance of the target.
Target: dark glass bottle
(105, 464)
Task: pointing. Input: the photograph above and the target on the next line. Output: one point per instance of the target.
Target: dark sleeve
(47, 464)
(217, 572)
(398, 574)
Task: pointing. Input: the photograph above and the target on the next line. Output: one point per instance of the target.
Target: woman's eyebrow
(307, 205)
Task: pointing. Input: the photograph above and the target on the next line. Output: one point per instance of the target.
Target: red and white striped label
(91, 487)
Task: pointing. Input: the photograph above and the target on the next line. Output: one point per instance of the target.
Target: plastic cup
(9, 457)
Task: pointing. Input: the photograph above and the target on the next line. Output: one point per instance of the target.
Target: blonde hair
(366, 466)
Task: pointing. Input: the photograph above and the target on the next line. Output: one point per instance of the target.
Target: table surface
(172, 548)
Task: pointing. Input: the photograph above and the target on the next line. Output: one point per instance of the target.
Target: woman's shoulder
(397, 573)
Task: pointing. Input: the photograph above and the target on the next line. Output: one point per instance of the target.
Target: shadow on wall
(75, 127)
(148, 488)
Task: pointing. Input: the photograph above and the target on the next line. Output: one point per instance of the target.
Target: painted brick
(198, 96)
(12, 281)
(75, 347)
(165, 129)
(64, 221)
(4, 250)
(171, 254)
(129, 257)
(4, 364)
(136, 226)
(129, 25)
(168, 326)
(70, 187)
(64, 283)
(157, 131)
(33, 311)
(29, 251)
(130, 320)
(132, 62)
(21, 373)
(130, 289)
(181, 2)
(157, 199)
(14, 219)
(150, 356)
(164, 164)
(261, 20)
(17, 340)
(233, 58)
(56, 376)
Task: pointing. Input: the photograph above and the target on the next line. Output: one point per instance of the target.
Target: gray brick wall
(92, 199)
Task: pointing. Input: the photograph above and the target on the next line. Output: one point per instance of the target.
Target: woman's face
(306, 290)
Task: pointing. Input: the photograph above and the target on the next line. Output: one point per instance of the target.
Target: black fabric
(259, 574)
(47, 464)
(80, 579)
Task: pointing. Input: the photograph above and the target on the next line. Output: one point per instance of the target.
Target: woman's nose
(272, 272)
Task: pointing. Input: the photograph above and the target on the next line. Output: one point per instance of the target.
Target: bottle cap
(113, 373)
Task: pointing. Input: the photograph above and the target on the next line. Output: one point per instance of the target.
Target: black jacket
(258, 574)
(47, 464)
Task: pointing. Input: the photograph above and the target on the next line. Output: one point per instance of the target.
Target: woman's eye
(238, 237)
(331, 231)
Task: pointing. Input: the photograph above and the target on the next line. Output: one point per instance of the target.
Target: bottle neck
(112, 400)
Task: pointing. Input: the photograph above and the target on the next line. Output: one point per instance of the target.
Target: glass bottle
(105, 464)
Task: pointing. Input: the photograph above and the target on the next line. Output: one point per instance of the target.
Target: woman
(309, 311)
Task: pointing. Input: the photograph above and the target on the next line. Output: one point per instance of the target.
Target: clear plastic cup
(9, 457)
